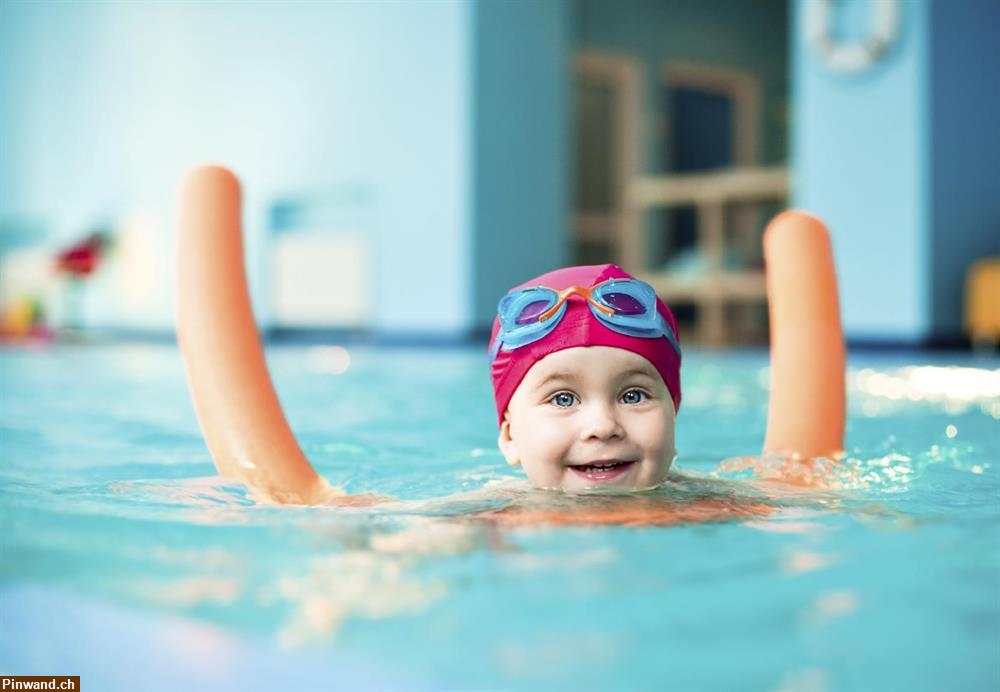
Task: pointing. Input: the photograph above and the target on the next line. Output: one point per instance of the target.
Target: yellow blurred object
(18, 318)
(982, 301)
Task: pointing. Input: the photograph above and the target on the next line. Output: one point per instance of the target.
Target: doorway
(709, 120)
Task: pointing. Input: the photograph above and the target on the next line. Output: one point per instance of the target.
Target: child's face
(590, 417)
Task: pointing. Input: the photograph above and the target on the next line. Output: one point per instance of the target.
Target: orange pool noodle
(807, 407)
(239, 411)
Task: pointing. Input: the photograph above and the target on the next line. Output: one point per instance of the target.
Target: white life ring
(856, 56)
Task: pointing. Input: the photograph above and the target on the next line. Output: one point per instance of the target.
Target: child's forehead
(589, 363)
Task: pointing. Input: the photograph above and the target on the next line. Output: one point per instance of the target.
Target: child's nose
(601, 422)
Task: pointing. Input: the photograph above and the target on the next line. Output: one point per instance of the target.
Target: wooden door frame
(623, 74)
(743, 88)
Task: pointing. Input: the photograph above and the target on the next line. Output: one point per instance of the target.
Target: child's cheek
(660, 435)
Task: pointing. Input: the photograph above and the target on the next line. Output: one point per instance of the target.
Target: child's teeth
(601, 467)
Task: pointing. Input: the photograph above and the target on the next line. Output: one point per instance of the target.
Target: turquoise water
(126, 562)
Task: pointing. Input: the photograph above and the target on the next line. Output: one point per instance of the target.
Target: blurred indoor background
(404, 163)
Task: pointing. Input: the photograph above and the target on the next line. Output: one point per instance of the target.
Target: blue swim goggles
(627, 306)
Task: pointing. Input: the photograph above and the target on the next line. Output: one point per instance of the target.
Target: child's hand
(807, 472)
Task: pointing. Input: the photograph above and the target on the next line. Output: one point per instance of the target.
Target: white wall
(106, 104)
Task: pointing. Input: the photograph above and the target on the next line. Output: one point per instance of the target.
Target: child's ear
(506, 443)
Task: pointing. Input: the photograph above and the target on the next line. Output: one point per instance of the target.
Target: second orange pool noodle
(807, 400)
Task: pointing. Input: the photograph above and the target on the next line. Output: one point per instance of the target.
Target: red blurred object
(82, 258)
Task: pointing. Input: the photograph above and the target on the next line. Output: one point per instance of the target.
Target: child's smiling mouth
(602, 470)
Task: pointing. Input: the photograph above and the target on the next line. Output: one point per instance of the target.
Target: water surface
(127, 562)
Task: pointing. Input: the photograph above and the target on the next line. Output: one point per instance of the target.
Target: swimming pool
(126, 563)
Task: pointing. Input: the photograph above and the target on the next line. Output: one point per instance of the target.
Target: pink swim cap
(579, 327)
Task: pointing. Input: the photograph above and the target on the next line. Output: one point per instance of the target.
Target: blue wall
(106, 104)
(521, 145)
(965, 150)
(901, 162)
(860, 160)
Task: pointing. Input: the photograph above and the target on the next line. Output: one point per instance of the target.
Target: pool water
(126, 562)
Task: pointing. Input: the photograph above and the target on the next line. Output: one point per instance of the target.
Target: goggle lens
(624, 304)
(529, 314)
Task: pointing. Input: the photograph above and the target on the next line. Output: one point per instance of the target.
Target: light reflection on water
(108, 498)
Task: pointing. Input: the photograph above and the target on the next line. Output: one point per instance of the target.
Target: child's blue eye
(633, 396)
(563, 399)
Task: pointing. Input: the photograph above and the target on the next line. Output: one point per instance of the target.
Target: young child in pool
(585, 369)
(586, 379)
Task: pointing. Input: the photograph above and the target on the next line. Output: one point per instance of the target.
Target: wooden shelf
(726, 187)
(725, 286)
(709, 193)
